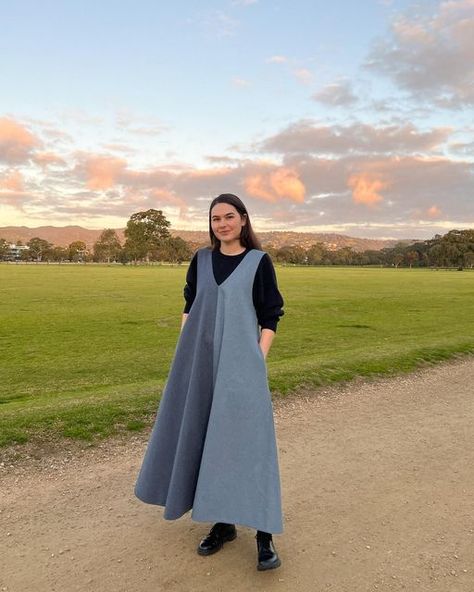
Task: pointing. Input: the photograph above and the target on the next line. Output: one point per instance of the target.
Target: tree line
(454, 249)
(147, 239)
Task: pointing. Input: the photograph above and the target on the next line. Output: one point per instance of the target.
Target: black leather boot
(218, 535)
(267, 555)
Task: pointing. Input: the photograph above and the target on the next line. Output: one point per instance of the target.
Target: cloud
(16, 141)
(240, 82)
(274, 185)
(464, 148)
(431, 55)
(12, 181)
(100, 172)
(304, 75)
(262, 181)
(306, 136)
(58, 136)
(393, 189)
(353, 176)
(219, 159)
(336, 94)
(15, 199)
(277, 59)
(434, 212)
(168, 198)
(12, 190)
(370, 194)
(366, 188)
(45, 159)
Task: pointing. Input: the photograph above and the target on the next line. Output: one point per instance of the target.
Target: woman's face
(226, 222)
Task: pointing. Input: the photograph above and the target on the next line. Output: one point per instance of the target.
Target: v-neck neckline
(245, 253)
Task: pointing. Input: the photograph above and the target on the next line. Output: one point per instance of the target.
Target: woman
(213, 446)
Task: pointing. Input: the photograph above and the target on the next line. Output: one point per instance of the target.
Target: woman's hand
(266, 338)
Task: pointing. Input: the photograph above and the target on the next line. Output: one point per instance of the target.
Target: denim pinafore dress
(213, 448)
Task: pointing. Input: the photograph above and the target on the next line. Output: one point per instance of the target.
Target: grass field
(85, 350)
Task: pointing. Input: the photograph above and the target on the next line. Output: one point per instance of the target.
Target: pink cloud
(12, 181)
(434, 212)
(45, 159)
(14, 199)
(12, 190)
(16, 142)
(102, 172)
(366, 188)
(272, 186)
(164, 197)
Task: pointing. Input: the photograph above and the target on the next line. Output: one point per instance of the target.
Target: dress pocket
(260, 353)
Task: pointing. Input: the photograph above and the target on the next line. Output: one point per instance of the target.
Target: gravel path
(377, 485)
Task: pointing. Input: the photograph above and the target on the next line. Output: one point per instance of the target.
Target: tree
(59, 254)
(4, 248)
(108, 246)
(291, 254)
(77, 251)
(25, 255)
(316, 254)
(411, 257)
(394, 256)
(469, 259)
(372, 257)
(452, 249)
(344, 256)
(146, 232)
(38, 248)
(172, 249)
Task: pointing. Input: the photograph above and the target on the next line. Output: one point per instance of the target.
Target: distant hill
(64, 235)
(278, 239)
(61, 236)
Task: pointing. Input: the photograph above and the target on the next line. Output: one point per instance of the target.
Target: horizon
(258, 231)
(175, 230)
(359, 126)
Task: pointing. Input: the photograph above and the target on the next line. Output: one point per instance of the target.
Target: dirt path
(377, 478)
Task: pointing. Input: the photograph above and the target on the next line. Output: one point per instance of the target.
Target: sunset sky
(341, 116)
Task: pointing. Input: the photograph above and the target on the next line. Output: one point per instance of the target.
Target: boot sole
(227, 539)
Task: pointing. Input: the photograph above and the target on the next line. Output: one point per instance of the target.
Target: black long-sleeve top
(267, 299)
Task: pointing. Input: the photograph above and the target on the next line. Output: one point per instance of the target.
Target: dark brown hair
(247, 236)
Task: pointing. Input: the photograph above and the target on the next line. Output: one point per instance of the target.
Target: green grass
(85, 350)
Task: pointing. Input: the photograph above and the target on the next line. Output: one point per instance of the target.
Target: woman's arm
(266, 338)
(268, 302)
(190, 288)
(267, 299)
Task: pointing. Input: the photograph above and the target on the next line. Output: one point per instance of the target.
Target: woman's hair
(247, 235)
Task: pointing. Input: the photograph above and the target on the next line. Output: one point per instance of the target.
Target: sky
(341, 116)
